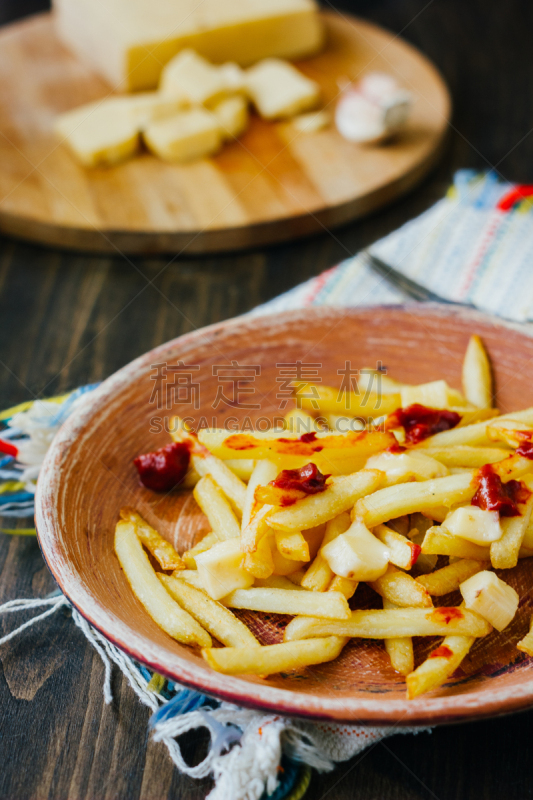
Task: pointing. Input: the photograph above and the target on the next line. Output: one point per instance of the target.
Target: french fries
(449, 578)
(327, 605)
(273, 658)
(385, 504)
(340, 495)
(477, 377)
(360, 502)
(526, 644)
(161, 550)
(393, 623)
(213, 616)
(399, 649)
(216, 508)
(403, 552)
(402, 590)
(147, 588)
(319, 575)
(439, 665)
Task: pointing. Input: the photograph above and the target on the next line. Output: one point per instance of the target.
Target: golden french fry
(403, 552)
(242, 467)
(400, 650)
(328, 399)
(439, 665)
(504, 552)
(385, 624)
(277, 582)
(231, 485)
(401, 589)
(509, 431)
(339, 495)
(475, 434)
(342, 423)
(393, 501)
(146, 587)
(467, 456)
(299, 421)
(345, 586)
(526, 644)
(213, 616)
(314, 537)
(216, 508)
(319, 575)
(328, 605)
(477, 375)
(292, 545)
(203, 545)
(449, 578)
(192, 576)
(297, 577)
(161, 550)
(439, 542)
(435, 394)
(256, 529)
(260, 563)
(471, 415)
(264, 472)
(273, 658)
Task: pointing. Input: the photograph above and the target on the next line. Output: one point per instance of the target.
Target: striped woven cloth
(474, 246)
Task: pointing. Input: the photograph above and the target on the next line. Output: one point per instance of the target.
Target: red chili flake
(446, 614)
(419, 422)
(308, 437)
(494, 495)
(526, 450)
(8, 448)
(165, 468)
(442, 652)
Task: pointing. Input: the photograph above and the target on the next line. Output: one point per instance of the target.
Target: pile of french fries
(389, 510)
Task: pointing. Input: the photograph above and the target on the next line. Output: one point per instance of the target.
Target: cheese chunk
(409, 466)
(129, 41)
(491, 597)
(232, 116)
(474, 524)
(357, 554)
(191, 76)
(279, 90)
(184, 137)
(221, 571)
(99, 133)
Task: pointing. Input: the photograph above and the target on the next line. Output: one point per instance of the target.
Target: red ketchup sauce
(291, 485)
(494, 495)
(165, 468)
(442, 652)
(419, 422)
(525, 449)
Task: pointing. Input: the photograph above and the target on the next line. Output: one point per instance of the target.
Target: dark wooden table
(68, 319)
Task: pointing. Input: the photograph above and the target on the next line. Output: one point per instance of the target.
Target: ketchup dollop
(419, 421)
(525, 449)
(494, 495)
(165, 468)
(307, 479)
(292, 485)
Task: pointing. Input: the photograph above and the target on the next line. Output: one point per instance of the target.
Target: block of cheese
(191, 76)
(99, 133)
(232, 116)
(184, 137)
(279, 90)
(129, 41)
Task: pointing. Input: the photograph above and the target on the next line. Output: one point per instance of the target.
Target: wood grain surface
(67, 319)
(274, 183)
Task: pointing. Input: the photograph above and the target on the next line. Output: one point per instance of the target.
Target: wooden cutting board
(275, 183)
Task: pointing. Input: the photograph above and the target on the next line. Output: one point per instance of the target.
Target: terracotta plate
(88, 476)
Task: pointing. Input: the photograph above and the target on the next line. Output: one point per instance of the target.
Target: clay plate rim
(427, 710)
